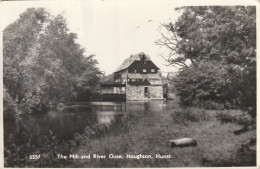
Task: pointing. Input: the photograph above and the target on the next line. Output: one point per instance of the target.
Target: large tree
(220, 42)
(43, 62)
(226, 34)
(222, 39)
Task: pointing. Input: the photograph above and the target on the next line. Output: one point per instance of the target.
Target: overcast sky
(110, 29)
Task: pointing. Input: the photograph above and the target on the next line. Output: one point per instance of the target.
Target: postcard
(129, 84)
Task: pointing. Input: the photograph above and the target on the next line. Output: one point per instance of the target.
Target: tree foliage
(221, 44)
(209, 82)
(224, 34)
(107, 79)
(10, 107)
(43, 64)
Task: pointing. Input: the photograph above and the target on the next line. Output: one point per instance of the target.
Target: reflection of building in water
(105, 117)
(106, 112)
(137, 106)
(138, 78)
(108, 106)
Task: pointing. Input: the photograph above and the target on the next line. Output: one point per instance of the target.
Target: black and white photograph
(128, 84)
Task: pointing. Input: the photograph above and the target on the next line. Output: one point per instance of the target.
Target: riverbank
(128, 134)
(149, 133)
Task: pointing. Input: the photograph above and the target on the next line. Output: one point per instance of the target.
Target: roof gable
(139, 66)
(127, 62)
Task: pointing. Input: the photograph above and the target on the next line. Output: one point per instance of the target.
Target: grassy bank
(149, 134)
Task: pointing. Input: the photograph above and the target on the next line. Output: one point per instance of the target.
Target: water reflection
(135, 106)
(73, 119)
(107, 111)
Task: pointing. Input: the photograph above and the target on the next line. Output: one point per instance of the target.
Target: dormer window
(142, 55)
(152, 70)
(144, 70)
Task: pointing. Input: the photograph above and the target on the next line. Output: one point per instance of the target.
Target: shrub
(208, 81)
(182, 115)
(17, 152)
(235, 116)
(214, 86)
(209, 105)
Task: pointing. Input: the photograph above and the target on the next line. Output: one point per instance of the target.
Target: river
(71, 119)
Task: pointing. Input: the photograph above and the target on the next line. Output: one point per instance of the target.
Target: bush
(17, 152)
(208, 81)
(182, 115)
(234, 116)
(211, 105)
(214, 86)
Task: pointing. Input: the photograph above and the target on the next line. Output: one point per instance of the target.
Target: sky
(110, 29)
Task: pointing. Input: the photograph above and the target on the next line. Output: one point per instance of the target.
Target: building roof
(127, 62)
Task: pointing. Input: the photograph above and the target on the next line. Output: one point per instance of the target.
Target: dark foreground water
(74, 117)
(30, 134)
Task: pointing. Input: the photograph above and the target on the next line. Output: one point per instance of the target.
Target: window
(133, 80)
(146, 90)
(135, 70)
(144, 70)
(152, 70)
(142, 56)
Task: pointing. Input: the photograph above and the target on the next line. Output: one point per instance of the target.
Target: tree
(42, 61)
(220, 36)
(107, 79)
(18, 38)
(87, 82)
(221, 44)
(224, 34)
(208, 84)
(10, 107)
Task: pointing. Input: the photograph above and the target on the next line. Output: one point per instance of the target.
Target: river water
(71, 119)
